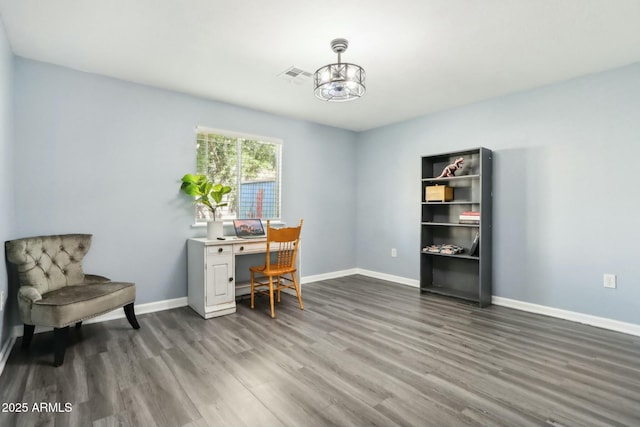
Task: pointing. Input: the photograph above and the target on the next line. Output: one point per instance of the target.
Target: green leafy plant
(205, 191)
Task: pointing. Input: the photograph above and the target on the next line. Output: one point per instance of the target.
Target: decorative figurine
(451, 169)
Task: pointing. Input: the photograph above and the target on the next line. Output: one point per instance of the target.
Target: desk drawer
(249, 248)
(219, 250)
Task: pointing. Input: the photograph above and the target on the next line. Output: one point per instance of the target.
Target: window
(250, 165)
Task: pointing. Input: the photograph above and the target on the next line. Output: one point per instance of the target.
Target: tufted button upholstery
(55, 292)
(49, 262)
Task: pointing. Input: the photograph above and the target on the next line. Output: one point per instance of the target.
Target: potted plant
(210, 195)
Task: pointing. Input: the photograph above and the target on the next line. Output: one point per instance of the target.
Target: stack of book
(470, 217)
(446, 249)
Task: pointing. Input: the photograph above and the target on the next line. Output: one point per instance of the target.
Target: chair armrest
(90, 279)
(29, 294)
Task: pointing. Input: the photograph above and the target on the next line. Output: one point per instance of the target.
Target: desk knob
(219, 249)
(231, 279)
(242, 248)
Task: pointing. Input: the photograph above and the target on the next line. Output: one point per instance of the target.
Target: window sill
(276, 222)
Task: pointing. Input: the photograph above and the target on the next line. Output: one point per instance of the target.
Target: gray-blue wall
(6, 166)
(565, 191)
(103, 156)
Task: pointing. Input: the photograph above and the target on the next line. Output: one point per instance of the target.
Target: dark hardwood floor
(364, 352)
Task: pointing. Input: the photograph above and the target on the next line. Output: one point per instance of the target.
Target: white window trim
(234, 134)
(261, 138)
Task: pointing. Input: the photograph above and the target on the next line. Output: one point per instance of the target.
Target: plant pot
(214, 229)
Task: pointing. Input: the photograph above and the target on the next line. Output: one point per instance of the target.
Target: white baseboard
(5, 351)
(587, 319)
(149, 307)
(370, 273)
(328, 276)
(389, 277)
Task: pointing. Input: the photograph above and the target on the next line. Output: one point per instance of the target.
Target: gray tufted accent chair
(55, 292)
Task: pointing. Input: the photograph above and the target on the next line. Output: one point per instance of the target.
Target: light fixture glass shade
(341, 81)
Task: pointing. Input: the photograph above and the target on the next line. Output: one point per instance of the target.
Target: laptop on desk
(249, 228)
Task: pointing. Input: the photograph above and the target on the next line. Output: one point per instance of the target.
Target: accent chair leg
(27, 334)
(131, 316)
(59, 345)
(78, 325)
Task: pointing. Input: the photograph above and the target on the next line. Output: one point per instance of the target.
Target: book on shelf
(445, 249)
(474, 245)
(469, 221)
(469, 217)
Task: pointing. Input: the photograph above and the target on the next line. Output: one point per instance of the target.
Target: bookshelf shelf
(451, 178)
(467, 275)
(450, 224)
(460, 256)
(453, 202)
(447, 291)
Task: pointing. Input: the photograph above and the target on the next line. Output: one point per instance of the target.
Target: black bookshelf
(466, 275)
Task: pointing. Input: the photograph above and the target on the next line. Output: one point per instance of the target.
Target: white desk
(211, 273)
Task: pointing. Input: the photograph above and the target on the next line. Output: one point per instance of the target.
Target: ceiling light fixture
(341, 81)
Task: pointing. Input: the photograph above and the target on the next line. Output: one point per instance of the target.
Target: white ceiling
(420, 56)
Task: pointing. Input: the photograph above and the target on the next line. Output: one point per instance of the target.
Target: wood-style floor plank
(363, 352)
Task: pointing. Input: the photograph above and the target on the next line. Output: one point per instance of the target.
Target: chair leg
(295, 285)
(27, 334)
(279, 284)
(59, 345)
(273, 311)
(252, 289)
(131, 316)
(78, 325)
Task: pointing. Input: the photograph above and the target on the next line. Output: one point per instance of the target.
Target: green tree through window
(251, 167)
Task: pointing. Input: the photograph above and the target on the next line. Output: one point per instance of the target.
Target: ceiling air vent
(295, 75)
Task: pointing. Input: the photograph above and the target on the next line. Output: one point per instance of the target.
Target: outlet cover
(1, 300)
(394, 252)
(609, 281)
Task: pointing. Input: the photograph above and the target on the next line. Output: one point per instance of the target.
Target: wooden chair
(284, 243)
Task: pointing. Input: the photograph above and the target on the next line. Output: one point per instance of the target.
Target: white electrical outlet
(609, 281)
(1, 300)
(394, 252)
